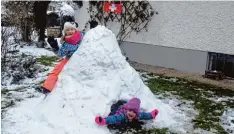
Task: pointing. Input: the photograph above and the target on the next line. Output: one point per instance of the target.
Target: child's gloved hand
(154, 113)
(100, 120)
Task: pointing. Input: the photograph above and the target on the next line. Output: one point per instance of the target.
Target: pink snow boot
(154, 113)
(100, 120)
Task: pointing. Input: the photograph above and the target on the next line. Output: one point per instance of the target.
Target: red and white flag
(111, 7)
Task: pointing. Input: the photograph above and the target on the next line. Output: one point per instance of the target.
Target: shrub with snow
(67, 10)
(19, 67)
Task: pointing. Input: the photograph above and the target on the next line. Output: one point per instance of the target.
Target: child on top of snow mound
(125, 114)
(70, 43)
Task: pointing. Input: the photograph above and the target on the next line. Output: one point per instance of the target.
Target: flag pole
(103, 13)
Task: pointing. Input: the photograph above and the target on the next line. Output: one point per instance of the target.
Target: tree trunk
(25, 27)
(40, 8)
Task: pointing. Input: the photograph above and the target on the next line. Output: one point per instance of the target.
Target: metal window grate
(221, 62)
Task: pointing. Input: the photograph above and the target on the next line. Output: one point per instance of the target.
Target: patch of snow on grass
(33, 50)
(227, 120)
(184, 108)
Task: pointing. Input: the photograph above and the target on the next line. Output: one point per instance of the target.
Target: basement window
(221, 62)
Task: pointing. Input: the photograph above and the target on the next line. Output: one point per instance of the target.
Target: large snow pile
(95, 77)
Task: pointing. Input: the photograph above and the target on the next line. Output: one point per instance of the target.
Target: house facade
(189, 36)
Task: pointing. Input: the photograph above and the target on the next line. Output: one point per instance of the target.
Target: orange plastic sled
(53, 76)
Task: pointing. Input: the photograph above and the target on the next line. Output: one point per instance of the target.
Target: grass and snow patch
(207, 104)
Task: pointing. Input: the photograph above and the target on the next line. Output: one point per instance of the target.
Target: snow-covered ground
(33, 50)
(227, 120)
(28, 82)
(95, 77)
(14, 95)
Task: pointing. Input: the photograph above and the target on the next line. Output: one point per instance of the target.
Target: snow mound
(95, 77)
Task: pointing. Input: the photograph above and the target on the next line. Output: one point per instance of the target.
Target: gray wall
(180, 59)
(198, 25)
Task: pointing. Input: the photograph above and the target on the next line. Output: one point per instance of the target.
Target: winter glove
(154, 113)
(100, 120)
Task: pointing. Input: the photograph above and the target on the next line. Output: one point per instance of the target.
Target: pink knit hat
(133, 104)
